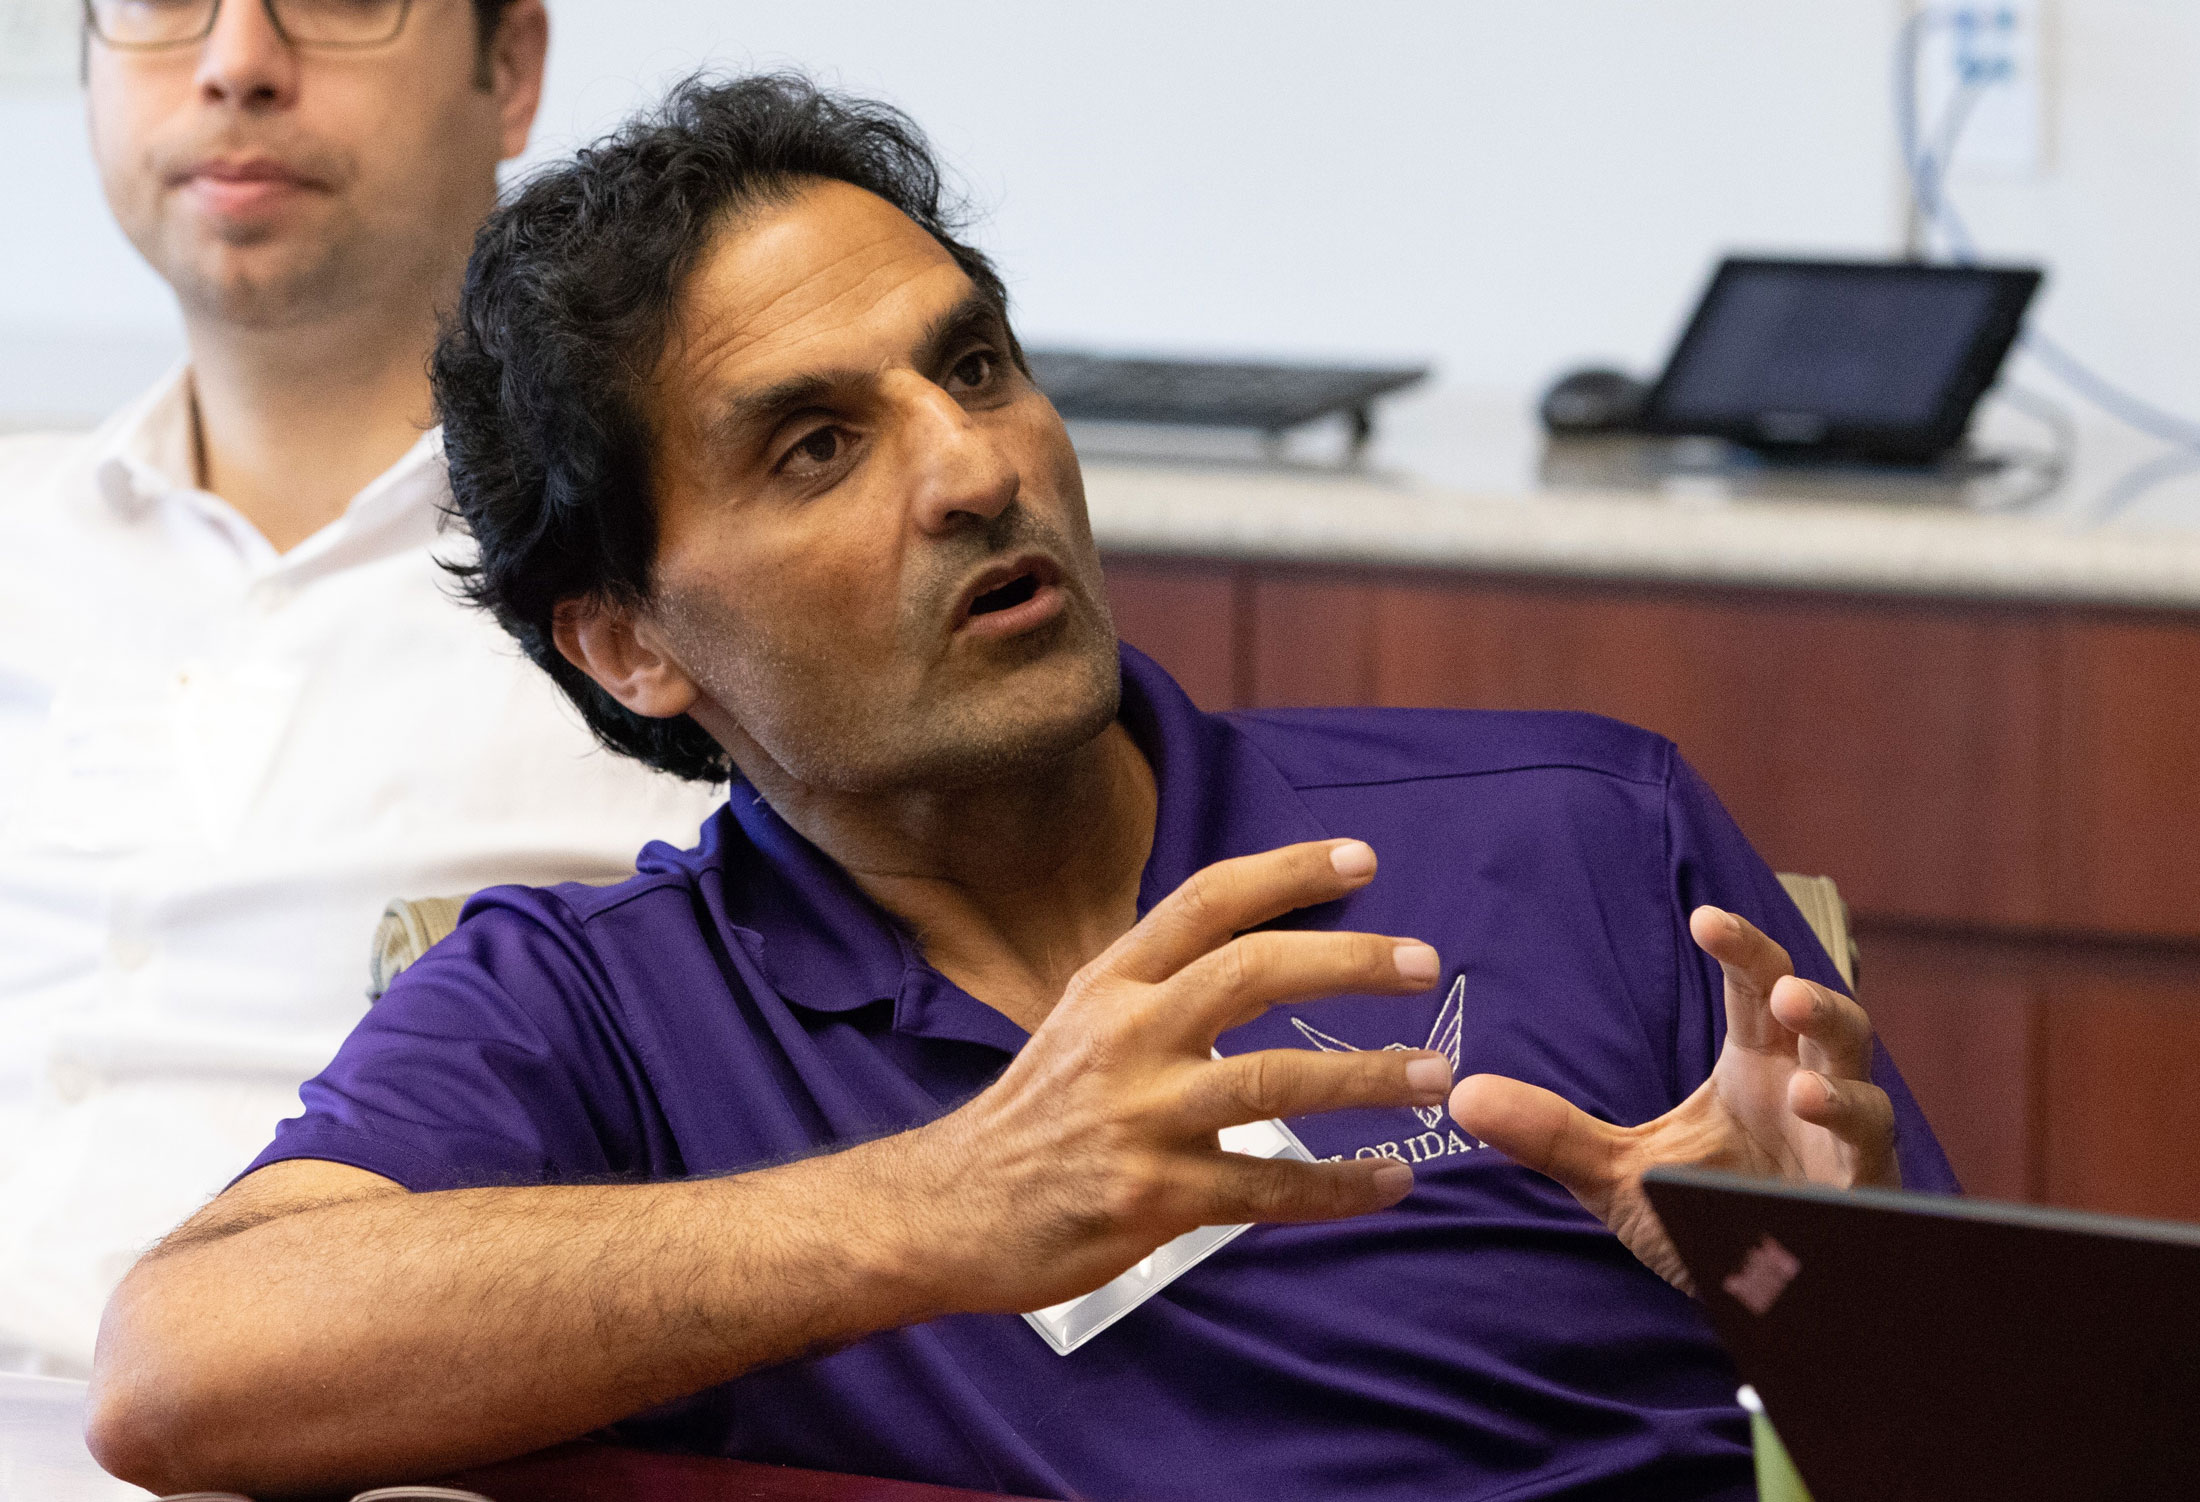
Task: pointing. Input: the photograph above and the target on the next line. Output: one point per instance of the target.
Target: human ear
(626, 656)
(514, 72)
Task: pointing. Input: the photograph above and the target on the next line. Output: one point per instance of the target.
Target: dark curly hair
(568, 301)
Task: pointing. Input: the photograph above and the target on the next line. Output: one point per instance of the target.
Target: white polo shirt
(217, 764)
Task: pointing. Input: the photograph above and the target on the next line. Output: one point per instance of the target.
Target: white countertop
(1463, 480)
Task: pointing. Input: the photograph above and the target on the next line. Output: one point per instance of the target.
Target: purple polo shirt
(741, 1003)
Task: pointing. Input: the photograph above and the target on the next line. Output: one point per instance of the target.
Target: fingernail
(1733, 923)
(1416, 962)
(1353, 858)
(1430, 1074)
(1395, 1180)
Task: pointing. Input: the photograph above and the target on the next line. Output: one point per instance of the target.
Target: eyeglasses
(150, 25)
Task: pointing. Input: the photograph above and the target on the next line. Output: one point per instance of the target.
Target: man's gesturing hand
(1791, 1097)
(1097, 1144)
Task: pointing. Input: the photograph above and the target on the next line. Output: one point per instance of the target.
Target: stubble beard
(970, 745)
(842, 743)
(285, 286)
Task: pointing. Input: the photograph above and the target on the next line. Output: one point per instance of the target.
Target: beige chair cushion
(410, 924)
(1828, 917)
(408, 927)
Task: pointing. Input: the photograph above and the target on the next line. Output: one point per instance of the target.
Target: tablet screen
(1799, 352)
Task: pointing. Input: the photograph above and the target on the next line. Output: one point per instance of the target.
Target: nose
(962, 476)
(244, 62)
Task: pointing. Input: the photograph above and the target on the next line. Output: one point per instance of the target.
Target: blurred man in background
(239, 709)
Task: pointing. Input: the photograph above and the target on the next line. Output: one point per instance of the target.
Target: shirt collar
(147, 454)
(828, 948)
(823, 943)
(407, 503)
(144, 451)
(1219, 794)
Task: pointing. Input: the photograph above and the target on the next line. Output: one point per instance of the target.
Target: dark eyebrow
(770, 406)
(956, 324)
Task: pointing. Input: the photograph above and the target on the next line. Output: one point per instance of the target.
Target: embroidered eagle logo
(1443, 1038)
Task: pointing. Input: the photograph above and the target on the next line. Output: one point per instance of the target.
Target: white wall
(1500, 186)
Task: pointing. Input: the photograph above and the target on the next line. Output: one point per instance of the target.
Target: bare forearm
(422, 1332)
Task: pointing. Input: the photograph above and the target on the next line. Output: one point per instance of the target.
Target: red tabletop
(607, 1473)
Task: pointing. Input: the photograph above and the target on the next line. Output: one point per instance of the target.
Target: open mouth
(1007, 597)
(1014, 596)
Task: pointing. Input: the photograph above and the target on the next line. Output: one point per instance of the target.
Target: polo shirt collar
(826, 947)
(1219, 794)
(822, 943)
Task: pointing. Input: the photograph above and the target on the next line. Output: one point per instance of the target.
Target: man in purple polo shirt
(763, 1151)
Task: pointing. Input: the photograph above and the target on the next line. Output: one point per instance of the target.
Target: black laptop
(1921, 1346)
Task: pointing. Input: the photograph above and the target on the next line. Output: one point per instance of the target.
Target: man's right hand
(1098, 1143)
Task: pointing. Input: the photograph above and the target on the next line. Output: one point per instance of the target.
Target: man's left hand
(1791, 1097)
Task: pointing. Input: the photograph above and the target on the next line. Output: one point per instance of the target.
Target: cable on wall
(1934, 215)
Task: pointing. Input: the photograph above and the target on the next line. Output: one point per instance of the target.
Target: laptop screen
(1920, 1346)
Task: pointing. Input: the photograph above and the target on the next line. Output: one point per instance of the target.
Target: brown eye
(821, 447)
(974, 369)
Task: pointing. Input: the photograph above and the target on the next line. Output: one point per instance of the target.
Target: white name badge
(1068, 1326)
